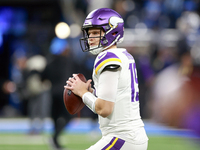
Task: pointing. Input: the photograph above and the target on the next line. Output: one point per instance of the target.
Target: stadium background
(162, 35)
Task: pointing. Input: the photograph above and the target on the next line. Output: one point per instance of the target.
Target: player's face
(94, 36)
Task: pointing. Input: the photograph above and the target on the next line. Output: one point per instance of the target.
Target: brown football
(73, 103)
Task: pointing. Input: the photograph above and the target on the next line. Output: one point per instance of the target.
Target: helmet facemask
(84, 42)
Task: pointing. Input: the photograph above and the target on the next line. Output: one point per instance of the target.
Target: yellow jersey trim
(104, 62)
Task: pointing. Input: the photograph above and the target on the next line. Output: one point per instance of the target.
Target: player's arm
(107, 90)
(107, 68)
(104, 108)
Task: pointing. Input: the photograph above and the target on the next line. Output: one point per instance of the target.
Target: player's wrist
(91, 90)
(82, 93)
(89, 100)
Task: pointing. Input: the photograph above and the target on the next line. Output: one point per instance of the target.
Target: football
(73, 103)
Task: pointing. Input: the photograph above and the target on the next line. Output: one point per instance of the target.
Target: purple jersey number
(134, 80)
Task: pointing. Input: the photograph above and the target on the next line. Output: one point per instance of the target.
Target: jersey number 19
(134, 82)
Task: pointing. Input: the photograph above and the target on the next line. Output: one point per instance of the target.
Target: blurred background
(162, 35)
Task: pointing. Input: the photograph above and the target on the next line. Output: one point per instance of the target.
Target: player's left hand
(77, 86)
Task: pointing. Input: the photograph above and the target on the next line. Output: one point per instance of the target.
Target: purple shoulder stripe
(107, 56)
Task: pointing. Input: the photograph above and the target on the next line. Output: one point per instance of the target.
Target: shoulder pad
(106, 59)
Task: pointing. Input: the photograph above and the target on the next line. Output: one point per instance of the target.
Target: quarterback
(115, 96)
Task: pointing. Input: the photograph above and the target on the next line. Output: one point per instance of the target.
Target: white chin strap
(96, 49)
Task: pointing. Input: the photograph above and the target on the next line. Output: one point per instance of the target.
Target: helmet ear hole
(115, 33)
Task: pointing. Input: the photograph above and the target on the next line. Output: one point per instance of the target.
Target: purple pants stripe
(114, 144)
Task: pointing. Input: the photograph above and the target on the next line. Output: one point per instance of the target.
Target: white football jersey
(125, 118)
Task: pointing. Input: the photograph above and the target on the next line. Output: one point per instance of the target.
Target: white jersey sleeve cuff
(89, 100)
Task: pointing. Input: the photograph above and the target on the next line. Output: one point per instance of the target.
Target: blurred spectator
(192, 88)
(30, 91)
(60, 67)
(19, 98)
(175, 93)
(37, 104)
(190, 92)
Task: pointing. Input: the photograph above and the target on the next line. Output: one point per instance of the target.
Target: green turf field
(83, 141)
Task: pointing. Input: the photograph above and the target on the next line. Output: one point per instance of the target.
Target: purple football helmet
(111, 23)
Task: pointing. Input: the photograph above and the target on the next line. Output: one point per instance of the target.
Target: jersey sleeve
(106, 59)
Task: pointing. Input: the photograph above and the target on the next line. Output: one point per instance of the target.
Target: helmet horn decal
(114, 21)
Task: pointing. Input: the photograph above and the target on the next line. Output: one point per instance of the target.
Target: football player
(115, 97)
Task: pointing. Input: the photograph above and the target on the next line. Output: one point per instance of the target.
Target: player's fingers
(68, 83)
(68, 87)
(71, 79)
(88, 82)
(75, 76)
(90, 86)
